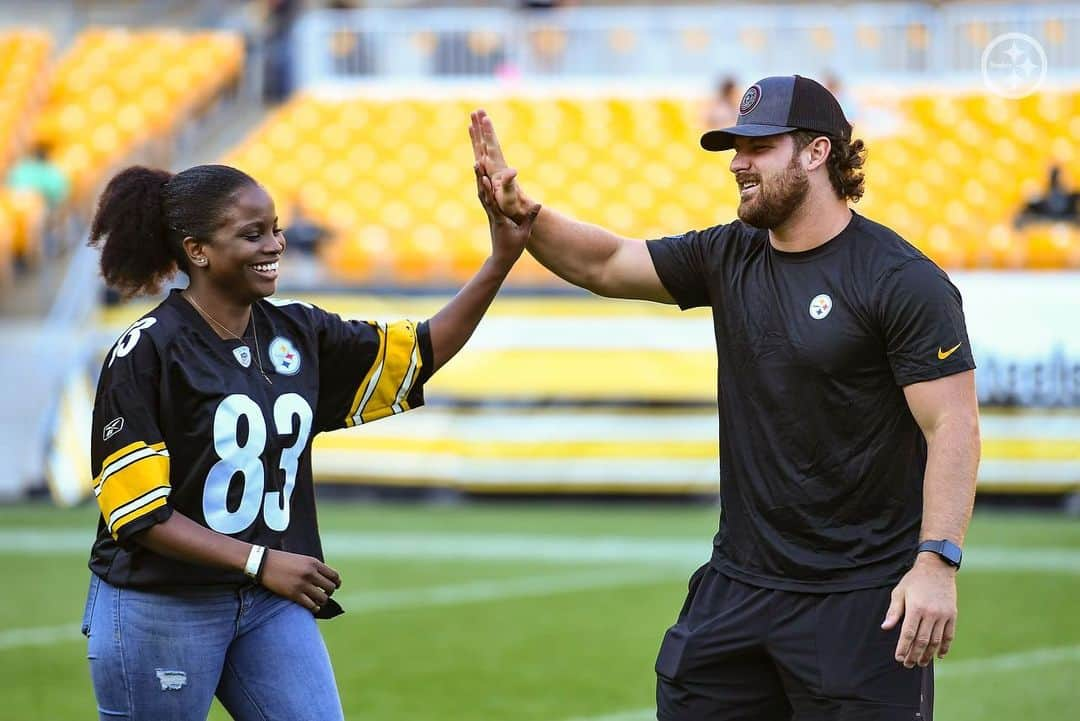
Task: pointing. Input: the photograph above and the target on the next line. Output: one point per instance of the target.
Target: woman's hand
(508, 238)
(303, 579)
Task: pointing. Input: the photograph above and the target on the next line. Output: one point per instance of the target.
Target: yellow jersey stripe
(372, 377)
(401, 343)
(137, 509)
(407, 382)
(132, 482)
(121, 463)
(129, 448)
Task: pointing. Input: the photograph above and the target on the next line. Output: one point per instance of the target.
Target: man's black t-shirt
(821, 460)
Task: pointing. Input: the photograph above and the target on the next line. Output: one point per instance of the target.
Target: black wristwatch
(949, 551)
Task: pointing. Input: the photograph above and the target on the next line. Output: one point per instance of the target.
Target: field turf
(538, 612)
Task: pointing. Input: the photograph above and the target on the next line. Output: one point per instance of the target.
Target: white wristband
(254, 561)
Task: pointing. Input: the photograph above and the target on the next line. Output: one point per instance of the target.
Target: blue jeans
(161, 656)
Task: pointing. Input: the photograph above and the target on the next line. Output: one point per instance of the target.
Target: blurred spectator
(723, 108)
(277, 72)
(303, 233)
(36, 173)
(1058, 205)
(847, 101)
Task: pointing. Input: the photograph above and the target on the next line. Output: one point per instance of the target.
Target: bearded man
(848, 423)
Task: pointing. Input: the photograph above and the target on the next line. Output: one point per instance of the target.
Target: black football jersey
(821, 461)
(184, 420)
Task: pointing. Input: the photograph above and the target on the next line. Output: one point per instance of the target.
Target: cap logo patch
(750, 99)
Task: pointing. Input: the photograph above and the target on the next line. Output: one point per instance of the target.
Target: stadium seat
(24, 59)
(113, 90)
(950, 180)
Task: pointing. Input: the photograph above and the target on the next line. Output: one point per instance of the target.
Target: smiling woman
(208, 552)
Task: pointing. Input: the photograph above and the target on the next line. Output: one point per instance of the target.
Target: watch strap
(949, 552)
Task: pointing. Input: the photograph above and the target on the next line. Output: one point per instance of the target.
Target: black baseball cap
(780, 104)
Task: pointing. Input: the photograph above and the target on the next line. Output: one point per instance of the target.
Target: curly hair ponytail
(145, 214)
(129, 227)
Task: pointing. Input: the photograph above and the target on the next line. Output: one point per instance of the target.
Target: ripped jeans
(163, 656)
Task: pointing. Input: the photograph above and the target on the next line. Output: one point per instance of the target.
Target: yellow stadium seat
(24, 56)
(114, 89)
(1052, 246)
(950, 180)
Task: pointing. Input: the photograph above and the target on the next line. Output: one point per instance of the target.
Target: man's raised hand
(489, 156)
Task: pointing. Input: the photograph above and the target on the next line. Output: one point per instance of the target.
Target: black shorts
(744, 652)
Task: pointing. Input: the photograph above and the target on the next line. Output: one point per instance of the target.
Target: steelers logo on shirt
(820, 306)
(284, 356)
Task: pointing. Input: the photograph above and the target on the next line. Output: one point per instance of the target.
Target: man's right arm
(585, 255)
(595, 259)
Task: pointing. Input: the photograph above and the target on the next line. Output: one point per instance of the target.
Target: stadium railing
(672, 43)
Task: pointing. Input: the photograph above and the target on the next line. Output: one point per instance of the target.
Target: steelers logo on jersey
(284, 356)
(820, 306)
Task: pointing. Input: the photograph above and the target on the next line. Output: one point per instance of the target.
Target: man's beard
(774, 202)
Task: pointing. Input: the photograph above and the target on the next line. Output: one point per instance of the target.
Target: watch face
(952, 553)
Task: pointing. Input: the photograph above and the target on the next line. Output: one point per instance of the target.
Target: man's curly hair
(845, 162)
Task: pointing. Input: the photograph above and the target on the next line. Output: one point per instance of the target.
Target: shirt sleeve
(370, 370)
(923, 321)
(681, 262)
(129, 460)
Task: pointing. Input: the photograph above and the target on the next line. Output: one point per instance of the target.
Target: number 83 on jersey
(246, 459)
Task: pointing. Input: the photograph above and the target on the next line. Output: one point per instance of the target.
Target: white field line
(638, 714)
(676, 552)
(449, 595)
(1018, 661)
(38, 636)
(497, 590)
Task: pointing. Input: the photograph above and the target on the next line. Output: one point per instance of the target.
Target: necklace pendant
(267, 379)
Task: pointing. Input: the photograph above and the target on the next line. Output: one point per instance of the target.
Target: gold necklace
(215, 321)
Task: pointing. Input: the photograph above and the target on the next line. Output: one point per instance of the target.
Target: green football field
(539, 612)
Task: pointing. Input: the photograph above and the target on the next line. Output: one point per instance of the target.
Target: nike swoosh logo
(943, 354)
